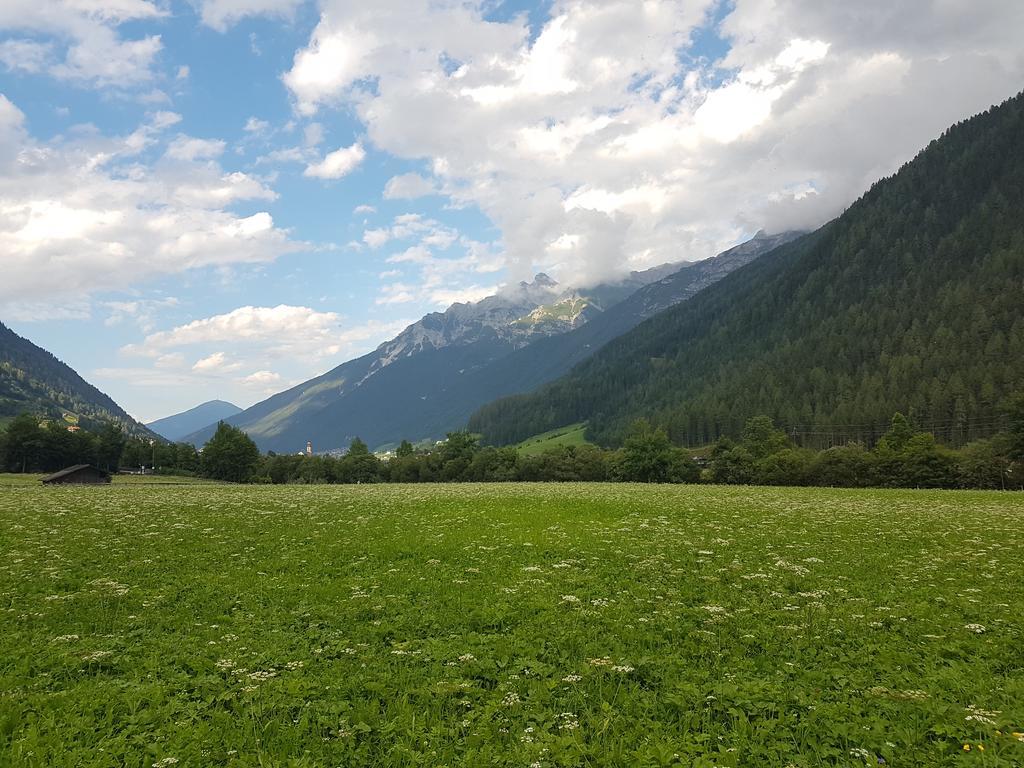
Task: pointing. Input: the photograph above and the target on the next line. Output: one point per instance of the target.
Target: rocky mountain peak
(542, 280)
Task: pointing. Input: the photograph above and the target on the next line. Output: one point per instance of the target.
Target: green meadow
(574, 435)
(509, 625)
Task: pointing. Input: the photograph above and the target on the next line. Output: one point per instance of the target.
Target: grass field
(510, 625)
(14, 479)
(571, 435)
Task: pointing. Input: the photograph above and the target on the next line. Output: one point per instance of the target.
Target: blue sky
(222, 198)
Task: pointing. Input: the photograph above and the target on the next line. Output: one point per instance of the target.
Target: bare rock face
(519, 314)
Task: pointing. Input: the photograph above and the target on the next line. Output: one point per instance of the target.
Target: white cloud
(442, 279)
(443, 297)
(189, 148)
(81, 40)
(142, 312)
(271, 347)
(396, 293)
(408, 186)
(597, 131)
(360, 209)
(255, 125)
(171, 361)
(88, 207)
(407, 226)
(222, 14)
(38, 311)
(26, 55)
(279, 330)
(262, 379)
(375, 238)
(338, 163)
(313, 135)
(284, 155)
(218, 362)
(417, 254)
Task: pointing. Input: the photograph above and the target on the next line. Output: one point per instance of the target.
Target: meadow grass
(510, 625)
(9, 479)
(573, 435)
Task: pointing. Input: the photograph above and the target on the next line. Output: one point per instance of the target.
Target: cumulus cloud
(412, 226)
(81, 40)
(447, 264)
(284, 331)
(89, 207)
(217, 362)
(271, 347)
(595, 147)
(262, 379)
(26, 55)
(408, 186)
(280, 330)
(338, 163)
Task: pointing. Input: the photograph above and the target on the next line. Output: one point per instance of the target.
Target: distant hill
(911, 301)
(408, 387)
(34, 381)
(181, 424)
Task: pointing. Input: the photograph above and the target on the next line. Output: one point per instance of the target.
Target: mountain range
(429, 379)
(432, 376)
(910, 301)
(181, 424)
(398, 390)
(34, 381)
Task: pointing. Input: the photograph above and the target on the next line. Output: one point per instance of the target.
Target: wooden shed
(80, 474)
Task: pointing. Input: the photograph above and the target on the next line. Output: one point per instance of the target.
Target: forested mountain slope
(34, 381)
(912, 301)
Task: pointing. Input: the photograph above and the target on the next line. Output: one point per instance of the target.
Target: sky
(208, 199)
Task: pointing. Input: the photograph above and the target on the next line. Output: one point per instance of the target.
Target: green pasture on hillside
(574, 434)
(509, 625)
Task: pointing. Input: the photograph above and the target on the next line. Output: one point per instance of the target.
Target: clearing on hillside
(510, 625)
(574, 434)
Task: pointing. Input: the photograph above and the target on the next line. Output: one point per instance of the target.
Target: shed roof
(72, 470)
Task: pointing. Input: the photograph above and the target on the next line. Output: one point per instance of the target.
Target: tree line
(29, 445)
(904, 457)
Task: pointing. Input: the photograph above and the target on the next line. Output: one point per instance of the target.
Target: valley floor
(511, 625)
